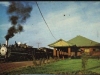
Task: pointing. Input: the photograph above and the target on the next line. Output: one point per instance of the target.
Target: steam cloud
(18, 13)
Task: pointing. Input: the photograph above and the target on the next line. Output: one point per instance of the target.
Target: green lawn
(62, 66)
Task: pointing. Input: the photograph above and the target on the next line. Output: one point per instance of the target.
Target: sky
(66, 20)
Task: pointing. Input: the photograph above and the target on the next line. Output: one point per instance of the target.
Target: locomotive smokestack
(6, 42)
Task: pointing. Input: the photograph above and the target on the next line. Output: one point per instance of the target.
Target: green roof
(60, 43)
(83, 41)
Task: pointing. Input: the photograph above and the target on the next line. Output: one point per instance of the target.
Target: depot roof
(60, 43)
(83, 41)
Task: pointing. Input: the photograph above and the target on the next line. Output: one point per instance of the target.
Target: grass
(62, 66)
(93, 65)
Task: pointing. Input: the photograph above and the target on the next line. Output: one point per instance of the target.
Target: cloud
(81, 18)
(75, 22)
(4, 3)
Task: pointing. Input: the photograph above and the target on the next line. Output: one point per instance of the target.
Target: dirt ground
(4, 67)
(14, 65)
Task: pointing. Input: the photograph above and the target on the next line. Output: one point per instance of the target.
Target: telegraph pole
(38, 44)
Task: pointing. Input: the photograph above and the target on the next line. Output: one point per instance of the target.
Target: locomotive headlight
(3, 51)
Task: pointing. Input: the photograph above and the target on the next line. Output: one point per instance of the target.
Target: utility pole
(38, 44)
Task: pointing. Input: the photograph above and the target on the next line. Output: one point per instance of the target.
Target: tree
(84, 58)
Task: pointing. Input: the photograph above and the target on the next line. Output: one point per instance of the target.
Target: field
(61, 66)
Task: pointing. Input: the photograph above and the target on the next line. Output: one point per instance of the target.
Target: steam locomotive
(23, 53)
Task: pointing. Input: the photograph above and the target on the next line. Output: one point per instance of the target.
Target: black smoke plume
(18, 12)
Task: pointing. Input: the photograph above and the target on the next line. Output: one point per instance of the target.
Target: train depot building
(74, 47)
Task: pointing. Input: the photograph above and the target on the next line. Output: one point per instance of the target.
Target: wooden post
(54, 52)
(63, 55)
(69, 51)
(58, 53)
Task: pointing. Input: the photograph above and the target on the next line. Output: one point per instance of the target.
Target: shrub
(34, 61)
(84, 58)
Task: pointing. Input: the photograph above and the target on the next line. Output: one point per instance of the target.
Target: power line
(44, 20)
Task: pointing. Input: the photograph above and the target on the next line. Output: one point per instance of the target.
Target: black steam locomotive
(23, 53)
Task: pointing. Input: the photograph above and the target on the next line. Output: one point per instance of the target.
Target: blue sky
(81, 18)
